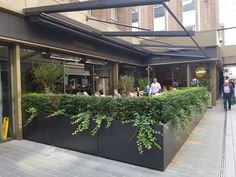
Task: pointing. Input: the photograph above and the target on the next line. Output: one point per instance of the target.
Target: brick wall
(146, 17)
(103, 14)
(124, 17)
(176, 7)
(209, 16)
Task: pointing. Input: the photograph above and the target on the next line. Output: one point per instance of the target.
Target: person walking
(155, 87)
(228, 92)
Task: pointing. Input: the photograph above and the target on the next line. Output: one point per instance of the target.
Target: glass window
(114, 15)
(135, 14)
(5, 89)
(159, 18)
(188, 5)
(135, 17)
(159, 11)
(77, 77)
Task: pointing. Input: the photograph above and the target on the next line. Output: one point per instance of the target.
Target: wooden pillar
(116, 75)
(16, 91)
(188, 74)
(213, 83)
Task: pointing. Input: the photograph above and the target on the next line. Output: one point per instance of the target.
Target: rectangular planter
(117, 142)
(39, 130)
(57, 131)
(82, 142)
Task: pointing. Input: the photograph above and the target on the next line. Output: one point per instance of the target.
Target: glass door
(5, 95)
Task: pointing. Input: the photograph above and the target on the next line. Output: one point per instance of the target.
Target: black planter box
(57, 131)
(62, 137)
(117, 142)
(39, 130)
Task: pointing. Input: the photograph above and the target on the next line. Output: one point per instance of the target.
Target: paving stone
(199, 156)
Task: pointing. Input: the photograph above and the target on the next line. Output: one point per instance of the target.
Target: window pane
(188, 5)
(159, 11)
(5, 88)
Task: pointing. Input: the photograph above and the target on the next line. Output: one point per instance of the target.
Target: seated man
(116, 94)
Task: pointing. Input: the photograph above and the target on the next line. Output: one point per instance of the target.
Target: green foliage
(141, 83)
(33, 113)
(48, 74)
(144, 113)
(126, 83)
(205, 83)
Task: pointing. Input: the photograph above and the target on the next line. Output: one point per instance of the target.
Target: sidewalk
(229, 165)
(200, 156)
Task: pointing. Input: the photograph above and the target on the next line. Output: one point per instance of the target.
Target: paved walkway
(229, 165)
(201, 156)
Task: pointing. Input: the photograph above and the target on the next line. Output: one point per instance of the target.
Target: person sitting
(101, 93)
(194, 82)
(97, 94)
(175, 85)
(85, 93)
(137, 92)
(164, 89)
(146, 90)
(116, 94)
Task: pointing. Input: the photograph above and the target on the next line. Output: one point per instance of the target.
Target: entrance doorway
(5, 91)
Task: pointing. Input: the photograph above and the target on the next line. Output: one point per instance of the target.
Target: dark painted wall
(17, 27)
(212, 52)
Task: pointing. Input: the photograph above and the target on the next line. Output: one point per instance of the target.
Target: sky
(228, 17)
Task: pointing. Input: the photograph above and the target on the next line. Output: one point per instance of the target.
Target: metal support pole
(90, 5)
(148, 68)
(93, 81)
(118, 24)
(188, 74)
(172, 75)
(182, 26)
(148, 33)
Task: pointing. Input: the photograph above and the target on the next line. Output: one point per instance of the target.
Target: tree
(48, 74)
(126, 83)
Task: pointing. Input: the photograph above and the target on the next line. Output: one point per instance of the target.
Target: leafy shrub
(142, 112)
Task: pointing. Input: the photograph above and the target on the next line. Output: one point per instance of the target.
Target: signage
(200, 72)
(5, 125)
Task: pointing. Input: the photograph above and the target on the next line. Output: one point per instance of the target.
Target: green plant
(126, 83)
(48, 74)
(205, 83)
(143, 113)
(141, 83)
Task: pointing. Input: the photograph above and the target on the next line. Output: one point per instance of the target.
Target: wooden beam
(16, 87)
(188, 74)
(213, 83)
(116, 76)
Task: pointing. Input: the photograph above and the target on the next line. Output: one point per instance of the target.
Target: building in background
(227, 16)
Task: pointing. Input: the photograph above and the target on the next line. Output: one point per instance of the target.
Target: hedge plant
(142, 112)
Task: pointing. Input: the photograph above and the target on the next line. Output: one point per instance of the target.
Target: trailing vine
(143, 113)
(146, 135)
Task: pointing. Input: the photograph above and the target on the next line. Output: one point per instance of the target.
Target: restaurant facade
(91, 61)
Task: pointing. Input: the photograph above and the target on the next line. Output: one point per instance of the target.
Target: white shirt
(155, 87)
